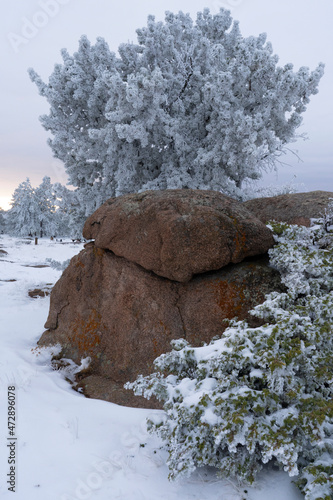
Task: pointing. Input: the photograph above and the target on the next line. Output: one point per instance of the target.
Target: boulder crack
(178, 307)
(59, 313)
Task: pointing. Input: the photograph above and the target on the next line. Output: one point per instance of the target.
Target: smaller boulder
(294, 208)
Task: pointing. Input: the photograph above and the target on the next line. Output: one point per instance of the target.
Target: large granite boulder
(122, 314)
(294, 208)
(178, 233)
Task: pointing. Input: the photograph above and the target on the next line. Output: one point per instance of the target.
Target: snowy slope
(69, 447)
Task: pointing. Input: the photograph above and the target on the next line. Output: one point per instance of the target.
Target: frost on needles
(259, 395)
(192, 104)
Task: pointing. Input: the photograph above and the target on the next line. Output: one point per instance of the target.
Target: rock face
(121, 313)
(295, 208)
(178, 233)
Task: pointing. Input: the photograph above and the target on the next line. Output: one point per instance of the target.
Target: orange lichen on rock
(98, 252)
(240, 244)
(86, 334)
(229, 297)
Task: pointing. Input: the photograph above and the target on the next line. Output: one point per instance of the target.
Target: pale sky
(34, 31)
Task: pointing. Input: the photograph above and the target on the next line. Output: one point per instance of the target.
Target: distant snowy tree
(62, 216)
(23, 217)
(36, 211)
(70, 212)
(46, 200)
(2, 220)
(191, 105)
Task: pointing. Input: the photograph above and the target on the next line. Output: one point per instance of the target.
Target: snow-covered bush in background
(262, 394)
(57, 265)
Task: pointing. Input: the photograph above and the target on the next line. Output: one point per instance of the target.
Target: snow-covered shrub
(57, 265)
(262, 394)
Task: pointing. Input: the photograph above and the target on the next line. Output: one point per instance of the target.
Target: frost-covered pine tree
(2, 220)
(62, 204)
(190, 105)
(23, 217)
(70, 211)
(47, 214)
(34, 210)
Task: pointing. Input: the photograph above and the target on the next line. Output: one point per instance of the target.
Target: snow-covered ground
(68, 447)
